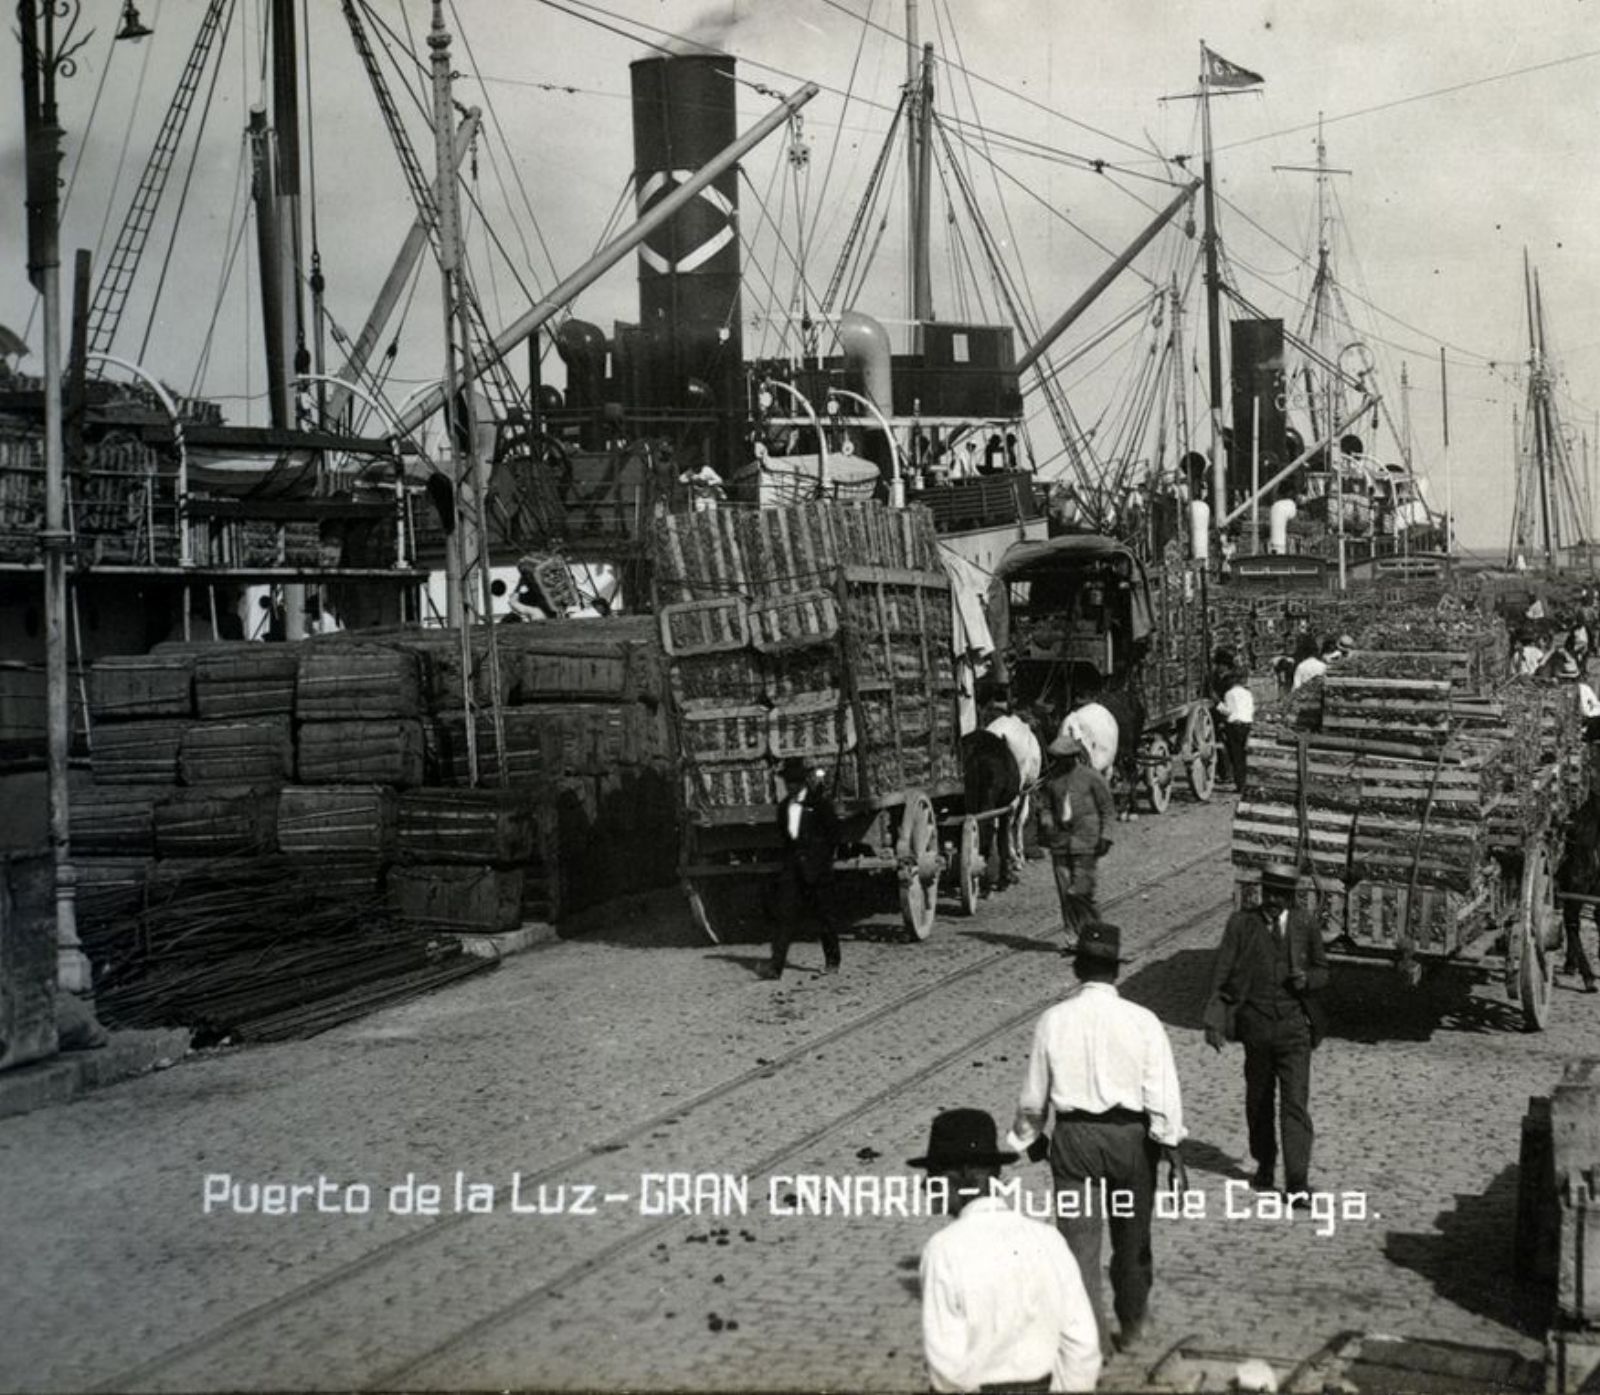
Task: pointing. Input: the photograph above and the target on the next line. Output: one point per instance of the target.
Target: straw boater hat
(962, 1138)
(1284, 874)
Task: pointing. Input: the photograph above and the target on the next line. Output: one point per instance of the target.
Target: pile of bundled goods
(1395, 781)
(248, 949)
(821, 631)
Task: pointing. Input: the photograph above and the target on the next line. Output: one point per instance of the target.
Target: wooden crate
(731, 785)
(137, 753)
(215, 823)
(115, 820)
(1266, 833)
(470, 826)
(712, 681)
(810, 727)
(461, 900)
(339, 681)
(704, 627)
(733, 734)
(337, 821)
(1436, 919)
(1464, 788)
(253, 750)
(141, 685)
(576, 677)
(361, 753)
(246, 680)
(781, 623)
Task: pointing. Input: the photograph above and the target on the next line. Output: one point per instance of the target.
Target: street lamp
(133, 28)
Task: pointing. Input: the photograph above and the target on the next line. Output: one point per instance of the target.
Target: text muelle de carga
(720, 1194)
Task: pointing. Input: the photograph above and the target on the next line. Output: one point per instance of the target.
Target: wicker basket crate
(782, 623)
(457, 899)
(215, 823)
(704, 627)
(350, 682)
(715, 681)
(246, 680)
(350, 822)
(361, 753)
(116, 820)
(810, 727)
(467, 826)
(137, 753)
(734, 734)
(142, 685)
(255, 750)
(724, 786)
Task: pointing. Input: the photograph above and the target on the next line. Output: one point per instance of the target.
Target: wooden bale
(137, 753)
(339, 681)
(246, 680)
(457, 899)
(543, 677)
(361, 753)
(141, 685)
(115, 820)
(215, 823)
(347, 877)
(109, 887)
(496, 826)
(531, 738)
(338, 822)
(252, 750)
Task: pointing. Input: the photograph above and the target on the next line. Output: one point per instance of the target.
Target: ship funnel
(1282, 512)
(582, 347)
(866, 348)
(684, 114)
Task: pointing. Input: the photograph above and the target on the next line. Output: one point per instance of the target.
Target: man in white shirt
(1588, 703)
(1003, 1304)
(1104, 1065)
(1238, 712)
(1316, 666)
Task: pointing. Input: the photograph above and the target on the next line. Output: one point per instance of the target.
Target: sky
(1468, 129)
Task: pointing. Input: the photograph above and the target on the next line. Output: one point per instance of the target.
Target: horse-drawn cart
(821, 631)
(1078, 612)
(1423, 811)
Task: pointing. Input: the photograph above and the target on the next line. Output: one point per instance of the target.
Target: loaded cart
(1423, 799)
(821, 631)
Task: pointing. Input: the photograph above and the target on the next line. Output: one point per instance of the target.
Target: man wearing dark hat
(1268, 976)
(1104, 1065)
(809, 831)
(1003, 1304)
(1076, 811)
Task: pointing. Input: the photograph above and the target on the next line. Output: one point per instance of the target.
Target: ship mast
(1208, 243)
(919, 170)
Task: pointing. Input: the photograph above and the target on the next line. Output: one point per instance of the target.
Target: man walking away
(1077, 811)
(1003, 1305)
(1104, 1066)
(1238, 709)
(1270, 971)
(809, 830)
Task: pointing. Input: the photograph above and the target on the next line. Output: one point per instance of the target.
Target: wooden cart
(1417, 854)
(852, 672)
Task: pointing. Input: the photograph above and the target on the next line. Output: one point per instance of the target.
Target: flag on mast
(1221, 73)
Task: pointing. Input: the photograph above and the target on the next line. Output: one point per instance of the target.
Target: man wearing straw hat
(1104, 1066)
(809, 830)
(1076, 811)
(1003, 1304)
(1265, 993)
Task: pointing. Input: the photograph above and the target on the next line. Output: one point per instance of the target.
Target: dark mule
(1127, 705)
(992, 781)
(1579, 872)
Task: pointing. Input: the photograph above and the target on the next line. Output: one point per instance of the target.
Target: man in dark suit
(808, 829)
(1268, 976)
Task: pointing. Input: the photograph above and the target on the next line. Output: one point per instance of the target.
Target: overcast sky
(1444, 194)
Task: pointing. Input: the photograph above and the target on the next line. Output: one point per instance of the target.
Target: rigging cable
(838, 130)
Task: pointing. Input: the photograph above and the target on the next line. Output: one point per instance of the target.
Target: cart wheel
(1201, 747)
(1536, 963)
(1157, 764)
(917, 848)
(969, 867)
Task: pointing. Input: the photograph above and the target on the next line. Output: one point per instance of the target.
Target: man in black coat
(1268, 976)
(808, 829)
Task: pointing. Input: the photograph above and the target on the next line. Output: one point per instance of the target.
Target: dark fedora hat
(795, 770)
(962, 1138)
(1100, 940)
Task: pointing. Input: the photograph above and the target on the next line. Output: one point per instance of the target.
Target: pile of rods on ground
(252, 949)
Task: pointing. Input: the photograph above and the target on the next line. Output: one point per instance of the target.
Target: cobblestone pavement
(638, 1050)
